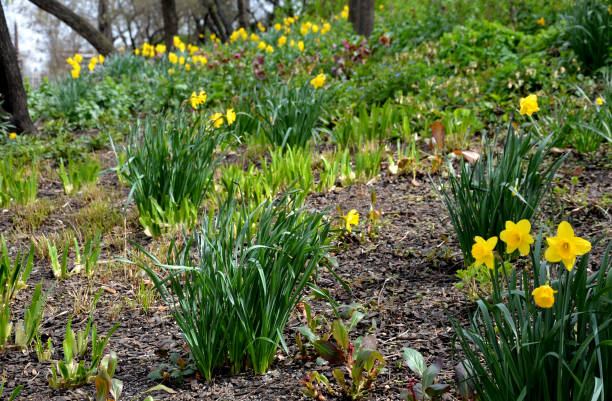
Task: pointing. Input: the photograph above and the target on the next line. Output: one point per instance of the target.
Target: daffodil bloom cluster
(192, 49)
(197, 99)
(75, 63)
(218, 118)
(564, 247)
(148, 50)
(12, 135)
(178, 43)
(94, 61)
(344, 13)
(318, 81)
(160, 48)
(238, 34)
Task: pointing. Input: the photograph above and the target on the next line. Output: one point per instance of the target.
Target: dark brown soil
(403, 277)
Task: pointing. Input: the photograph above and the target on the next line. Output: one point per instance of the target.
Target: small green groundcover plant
(545, 331)
(232, 286)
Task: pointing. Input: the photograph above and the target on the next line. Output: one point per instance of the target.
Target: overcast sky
(31, 43)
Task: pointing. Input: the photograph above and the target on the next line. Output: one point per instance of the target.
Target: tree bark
(243, 13)
(103, 21)
(79, 24)
(362, 17)
(170, 21)
(227, 23)
(353, 11)
(11, 86)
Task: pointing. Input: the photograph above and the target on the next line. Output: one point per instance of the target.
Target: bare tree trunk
(361, 14)
(79, 24)
(227, 23)
(170, 21)
(353, 11)
(243, 13)
(103, 23)
(11, 86)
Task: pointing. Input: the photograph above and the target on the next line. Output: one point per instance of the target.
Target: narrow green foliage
(59, 268)
(170, 162)
(73, 371)
(589, 33)
(232, 300)
(18, 185)
(15, 392)
(497, 188)
(290, 116)
(44, 353)
(91, 253)
(516, 350)
(78, 174)
(15, 277)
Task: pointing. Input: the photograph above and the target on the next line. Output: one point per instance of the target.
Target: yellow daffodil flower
(599, 101)
(301, 45)
(172, 57)
(352, 218)
(541, 21)
(529, 105)
(566, 246)
(482, 251)
(12, 135)
(217, 119)
(281, 41)
(516, 236)
(318, 81)
(261, 45)
(277, 27)
(269, 49)
(75, 73)
(230, 116)
(121, 48)
(544, 296)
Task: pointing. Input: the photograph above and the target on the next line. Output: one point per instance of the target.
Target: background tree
(11, 86)
(79, 24)
(170, 21)
(361, 15)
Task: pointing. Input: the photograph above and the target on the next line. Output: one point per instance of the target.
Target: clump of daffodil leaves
(539, 334)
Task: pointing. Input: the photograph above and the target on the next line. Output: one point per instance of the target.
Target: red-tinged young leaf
(339, 376)
(340, 334)
(329, 351)
(102, 388)
(437, 132)
(436, 390)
